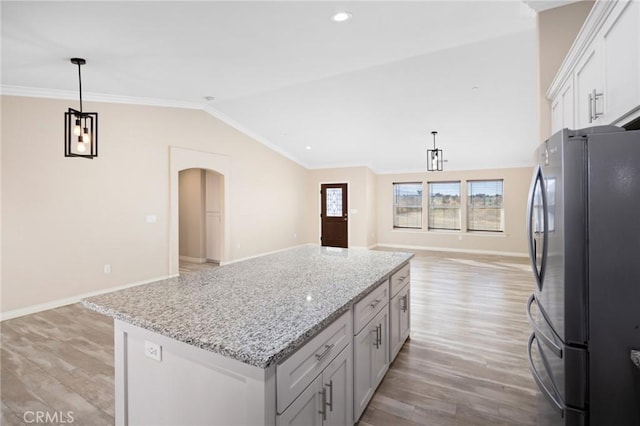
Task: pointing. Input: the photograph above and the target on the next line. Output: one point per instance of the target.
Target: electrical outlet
(107, 268)
(151, 219)
(152, 350)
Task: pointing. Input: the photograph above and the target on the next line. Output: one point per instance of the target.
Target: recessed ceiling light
(341, 16)
(475, 88)
(308, 148)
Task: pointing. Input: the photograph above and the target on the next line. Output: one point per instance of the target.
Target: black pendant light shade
(435, 159)
(80, 128)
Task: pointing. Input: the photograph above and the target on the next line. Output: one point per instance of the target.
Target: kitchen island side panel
(187, 385)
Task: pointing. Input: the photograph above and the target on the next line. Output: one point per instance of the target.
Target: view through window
(444, 205)
(485, 210)
(407, 205)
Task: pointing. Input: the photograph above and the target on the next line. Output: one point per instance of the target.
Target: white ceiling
(368, 91)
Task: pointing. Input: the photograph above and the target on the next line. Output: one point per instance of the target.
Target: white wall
(63, 219)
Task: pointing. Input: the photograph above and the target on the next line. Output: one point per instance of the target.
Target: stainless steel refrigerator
(584, 242)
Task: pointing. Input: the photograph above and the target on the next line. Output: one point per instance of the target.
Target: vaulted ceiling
(367, 91)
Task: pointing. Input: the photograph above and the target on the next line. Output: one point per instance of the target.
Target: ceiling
(365, 92)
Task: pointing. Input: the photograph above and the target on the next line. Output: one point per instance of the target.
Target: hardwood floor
(465, 363)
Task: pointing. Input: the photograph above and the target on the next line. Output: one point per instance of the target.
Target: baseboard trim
(189, 259)
(229, 262)
(454, 250)
(15, 313)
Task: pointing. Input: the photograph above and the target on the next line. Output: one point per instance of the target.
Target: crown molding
(36, 92)
(243, 129)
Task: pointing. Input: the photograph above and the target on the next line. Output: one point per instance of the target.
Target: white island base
(188, 386)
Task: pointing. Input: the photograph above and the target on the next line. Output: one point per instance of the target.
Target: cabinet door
(362, 366)
(399, 317)
(306, 410)
(405, 317)
(380, 358)
(588, 80)
(621, 60)
(338, 387)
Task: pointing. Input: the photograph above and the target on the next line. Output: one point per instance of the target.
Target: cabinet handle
(593, 107)
(324, 404)
(375, 303)
(402, 278)
(404, 303)
(330, 403)
(379, 328)
(376, 341)
(324, 353)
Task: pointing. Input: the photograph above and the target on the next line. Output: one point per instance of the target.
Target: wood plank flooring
(465, 363)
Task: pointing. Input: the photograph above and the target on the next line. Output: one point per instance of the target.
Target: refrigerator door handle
(538, 179)
(538, 331)
(635, 357)
(536, 376)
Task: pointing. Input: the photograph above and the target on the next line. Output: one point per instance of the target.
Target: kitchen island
(245, 342)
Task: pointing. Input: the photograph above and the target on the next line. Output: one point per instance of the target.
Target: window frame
(420, 206)
(430, 206)
(470, 208)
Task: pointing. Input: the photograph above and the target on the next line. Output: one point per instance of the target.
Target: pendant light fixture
(435, 160)
(80, 128)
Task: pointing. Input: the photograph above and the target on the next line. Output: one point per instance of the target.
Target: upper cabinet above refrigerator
(599, 80)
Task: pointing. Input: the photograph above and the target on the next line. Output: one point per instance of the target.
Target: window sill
(481, 234)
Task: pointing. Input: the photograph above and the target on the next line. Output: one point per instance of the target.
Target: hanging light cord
(80, 83)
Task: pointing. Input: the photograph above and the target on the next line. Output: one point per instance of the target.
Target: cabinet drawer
(400, 279)
(295, 373)
(367, 308)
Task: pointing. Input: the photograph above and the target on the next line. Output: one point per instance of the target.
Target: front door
(334, 215)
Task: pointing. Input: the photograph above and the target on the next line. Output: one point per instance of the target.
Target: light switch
(151, 219)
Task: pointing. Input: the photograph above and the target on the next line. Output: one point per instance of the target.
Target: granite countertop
(257, 311)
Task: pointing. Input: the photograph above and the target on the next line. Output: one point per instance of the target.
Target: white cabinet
(306, 410)
(371, 354)
(599, 80)
(588, 93)
(620, 49)
(296, 372)
(562, 108)
(327, 401)
(399, 321)
(338, 389)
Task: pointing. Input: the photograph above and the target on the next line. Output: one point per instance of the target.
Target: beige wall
(512, 241)
(362, 216)
(191, 212)
(557, 29)
(63, 219)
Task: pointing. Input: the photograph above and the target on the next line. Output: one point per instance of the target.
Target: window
(407, 205)
(485, 211)
(444, 205)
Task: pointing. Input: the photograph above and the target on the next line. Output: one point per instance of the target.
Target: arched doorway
(220, 167)
(200, 202)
